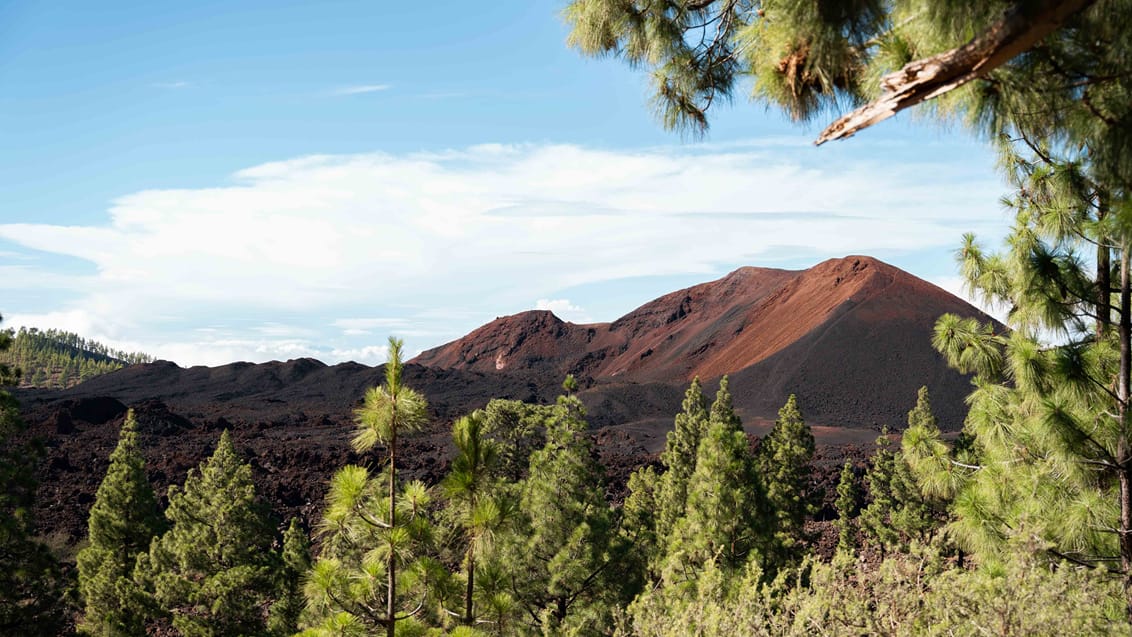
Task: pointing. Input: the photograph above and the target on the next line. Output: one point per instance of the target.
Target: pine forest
(1017, 523)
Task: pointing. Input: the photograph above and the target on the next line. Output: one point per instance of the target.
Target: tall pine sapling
(283, 620)
(123, 521)
(679, 457)
(213, 571)
(563, 543)
(724, 520)
(657, 500)
(899, 511)
(474, 498)
(386, 410)
(371, 531)
(784, 462)
(875, 518)
(846, 505)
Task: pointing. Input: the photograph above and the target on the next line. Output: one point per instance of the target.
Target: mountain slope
(850, 336)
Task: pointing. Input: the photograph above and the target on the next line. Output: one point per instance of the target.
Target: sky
(211, 182)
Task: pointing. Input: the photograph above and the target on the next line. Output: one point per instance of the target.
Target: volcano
(850, 337)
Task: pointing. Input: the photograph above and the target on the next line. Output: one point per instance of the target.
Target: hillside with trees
(519, 537)
(1020, 524)
(59, 359)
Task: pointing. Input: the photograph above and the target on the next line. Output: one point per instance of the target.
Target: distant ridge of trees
(58, 359)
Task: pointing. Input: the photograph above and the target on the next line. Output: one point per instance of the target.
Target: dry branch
(920, 80)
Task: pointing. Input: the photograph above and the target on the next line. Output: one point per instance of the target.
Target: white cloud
(362, 88)
(76, 321)
(30, 277)
(564, 309)
(282, 330)
(365, 325)
(437, 243)
(172, 85)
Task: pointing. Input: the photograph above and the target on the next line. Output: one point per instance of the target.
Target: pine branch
(1091, 563)
(921, 80)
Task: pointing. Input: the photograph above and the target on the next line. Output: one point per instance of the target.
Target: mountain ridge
(746, 323)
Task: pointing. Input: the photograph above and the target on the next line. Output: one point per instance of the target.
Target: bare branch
(930, 77)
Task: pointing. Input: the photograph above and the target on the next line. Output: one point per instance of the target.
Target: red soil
(853, 331)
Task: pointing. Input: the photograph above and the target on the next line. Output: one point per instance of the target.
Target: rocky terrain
(850, 337)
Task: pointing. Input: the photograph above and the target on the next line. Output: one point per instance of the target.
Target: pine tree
(784, 462)
(212, 571)
(655, 502)
(564, 540)
(917, 516)
(387, 411)
(371, 531)
(846, 505)
(32, 586)
(518, 430)
(679, 458)
(1049, 445)
(475, 499)
(723, 520)
(283, 620)
(123, 521)
(9, 375)
(875, 517)
(638, 529)
(921, 415)
(899, 511)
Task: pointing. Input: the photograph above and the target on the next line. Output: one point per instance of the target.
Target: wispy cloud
(172, 85)
(363, 326)
(362, 88)
(367, 323)
(306, 241)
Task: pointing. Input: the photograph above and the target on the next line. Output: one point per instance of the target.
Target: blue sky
(211, 181)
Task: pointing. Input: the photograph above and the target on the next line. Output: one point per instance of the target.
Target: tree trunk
(391, 566)
(1104, 271)
(1124, 449)
(468, 618)
(1104, 290)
